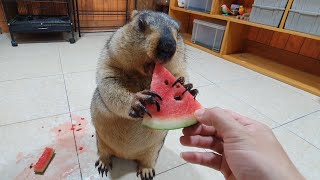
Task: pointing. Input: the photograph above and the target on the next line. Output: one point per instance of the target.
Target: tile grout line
(84, 109)
(171, 168)
(279, 124)
(302, 138)
(203, 86)
(283, 84)
(74, 136)
(19, 79)
(34, 119)
(219, 82)
(283, 126)
(202, 77)
(295, 119)
(43, 117)
(233, 96)
(239, 79)
(239, 99)
(36, 77)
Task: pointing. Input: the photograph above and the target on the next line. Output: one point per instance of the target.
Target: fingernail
(199, 113)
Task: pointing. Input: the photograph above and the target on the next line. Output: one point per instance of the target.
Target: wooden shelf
(239, 21)
(189, 11)
(235, 20)
(299, 79)
(187, 40)
(284, 63)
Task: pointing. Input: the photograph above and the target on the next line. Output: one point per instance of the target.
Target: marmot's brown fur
(124, 75)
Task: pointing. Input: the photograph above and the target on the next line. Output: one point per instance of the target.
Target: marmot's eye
(142, 25)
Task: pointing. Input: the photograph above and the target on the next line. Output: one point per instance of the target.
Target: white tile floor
(44, 88)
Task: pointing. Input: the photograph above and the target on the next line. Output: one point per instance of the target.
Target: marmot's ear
(134, 13)
(177, 25)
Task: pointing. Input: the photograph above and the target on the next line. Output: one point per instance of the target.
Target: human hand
(245, 148)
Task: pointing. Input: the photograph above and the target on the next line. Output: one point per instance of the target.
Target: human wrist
(280, 171)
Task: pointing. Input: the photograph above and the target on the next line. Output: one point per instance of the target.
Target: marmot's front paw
(141, 99)
(193, 92)
(146, 173)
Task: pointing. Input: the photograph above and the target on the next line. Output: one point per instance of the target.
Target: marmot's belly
(129, 139)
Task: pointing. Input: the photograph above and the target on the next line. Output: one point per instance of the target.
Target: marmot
(123, 78)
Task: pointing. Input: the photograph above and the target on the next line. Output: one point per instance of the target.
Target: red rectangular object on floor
(44, 160)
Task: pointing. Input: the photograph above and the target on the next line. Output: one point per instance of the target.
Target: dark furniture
(30, 23)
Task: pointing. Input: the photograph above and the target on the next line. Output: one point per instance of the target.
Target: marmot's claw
(146, 173)
(146, 111)
(96, 164)
(141, 99)
(138, 110)
(194, 92)
(151, 93)
(158, 105)
(179, 80)
(102, 169)
(188, 88)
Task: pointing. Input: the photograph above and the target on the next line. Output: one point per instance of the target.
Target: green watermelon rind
(170, 123)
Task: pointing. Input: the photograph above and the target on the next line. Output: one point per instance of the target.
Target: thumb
(221, 120)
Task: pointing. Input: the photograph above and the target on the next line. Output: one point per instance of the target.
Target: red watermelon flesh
(44, 160)
(174, 113)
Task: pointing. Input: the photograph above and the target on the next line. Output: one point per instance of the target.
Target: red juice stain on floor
(65, 162)
(19, 157)
(77, 118)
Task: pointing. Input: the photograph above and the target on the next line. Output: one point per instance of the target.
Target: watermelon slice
(44, 160)
(174, 114)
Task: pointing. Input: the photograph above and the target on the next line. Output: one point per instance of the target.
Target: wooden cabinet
(103, 14)
(3, 21)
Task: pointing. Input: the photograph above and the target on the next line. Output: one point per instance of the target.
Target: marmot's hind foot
(103, 166)
(146, 173)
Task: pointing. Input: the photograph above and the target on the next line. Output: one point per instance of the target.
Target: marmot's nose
(166, 48)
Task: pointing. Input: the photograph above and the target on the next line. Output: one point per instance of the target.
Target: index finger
(241, 119)
(208, 159)
(199, 129)
(223, 122)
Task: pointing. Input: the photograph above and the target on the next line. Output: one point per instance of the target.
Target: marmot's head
(149, 38)
(158, 32)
